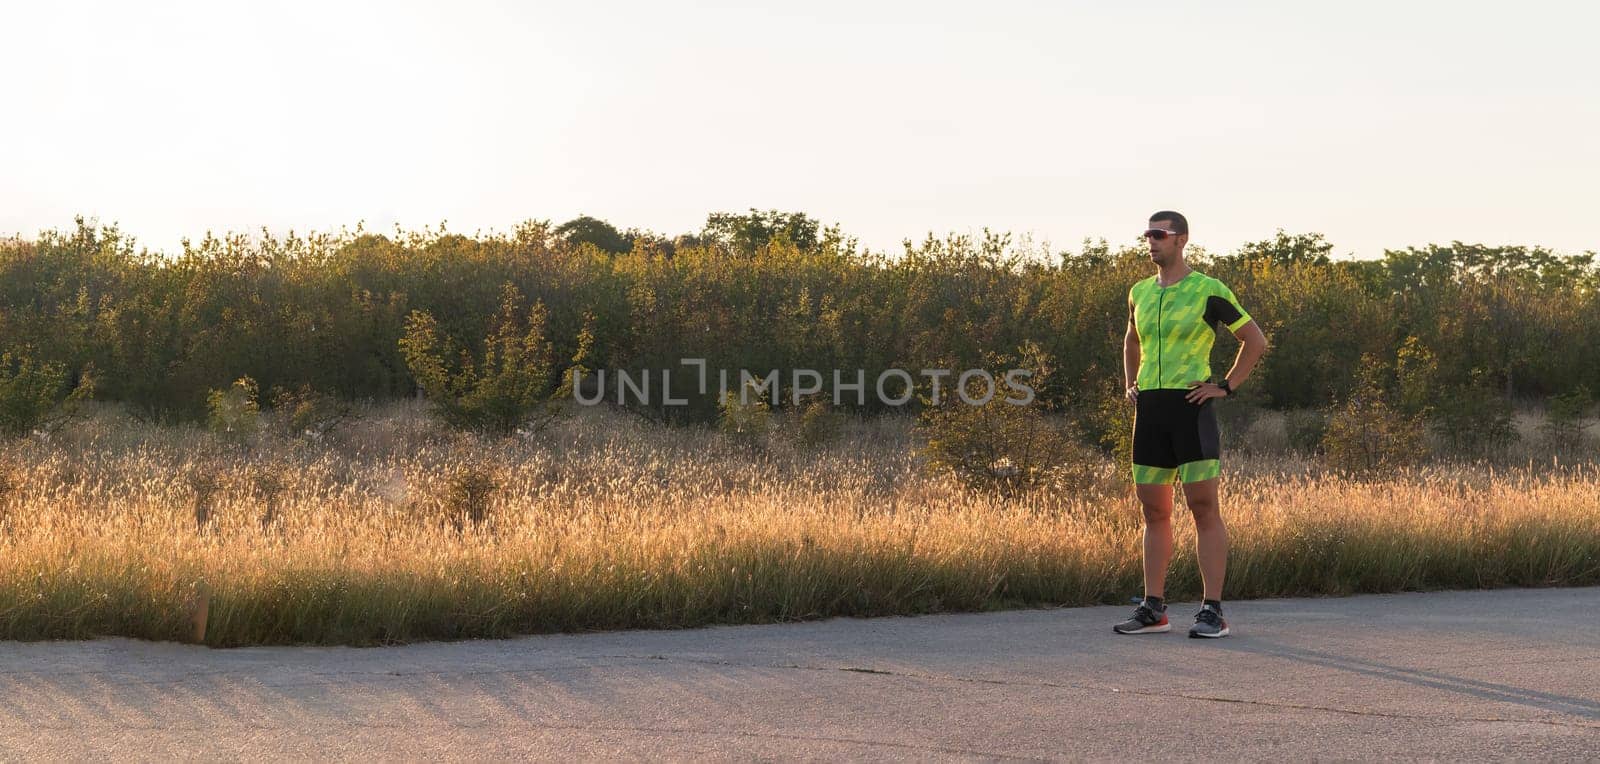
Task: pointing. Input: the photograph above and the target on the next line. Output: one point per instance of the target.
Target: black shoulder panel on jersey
(1219, 309)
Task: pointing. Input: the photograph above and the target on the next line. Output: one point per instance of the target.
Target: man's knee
(1157, 512)
(1206, 511)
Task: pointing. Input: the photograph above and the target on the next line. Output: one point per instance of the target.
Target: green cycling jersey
(1177, 326)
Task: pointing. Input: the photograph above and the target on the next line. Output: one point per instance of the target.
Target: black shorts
(1174, 439)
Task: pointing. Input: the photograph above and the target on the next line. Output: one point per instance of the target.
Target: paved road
(1461, 675)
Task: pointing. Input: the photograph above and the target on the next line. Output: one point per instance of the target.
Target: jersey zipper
(1161, 298)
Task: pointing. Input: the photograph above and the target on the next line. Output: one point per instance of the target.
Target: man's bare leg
(1157, 502)
(1212, 535)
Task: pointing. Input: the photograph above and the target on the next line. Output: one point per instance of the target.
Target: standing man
(1166, 353)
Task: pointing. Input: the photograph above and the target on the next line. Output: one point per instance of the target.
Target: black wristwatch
(1224, 385)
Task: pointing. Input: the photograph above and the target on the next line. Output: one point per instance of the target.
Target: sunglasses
(1159, 233)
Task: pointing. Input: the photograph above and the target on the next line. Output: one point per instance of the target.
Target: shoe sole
(1146, 630)
(1198, 635)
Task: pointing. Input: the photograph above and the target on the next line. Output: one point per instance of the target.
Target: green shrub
(1004, 446)
(1563, 424)
(745, 420)
(1474, 419)
(34, 394)
(815, 421)
(234, 413)
(505, 389)
(1366, 435)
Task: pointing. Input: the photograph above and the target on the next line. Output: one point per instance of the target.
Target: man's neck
(1169, 274)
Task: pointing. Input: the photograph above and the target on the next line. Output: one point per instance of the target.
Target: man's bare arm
(1130, 362)
(1252, 345)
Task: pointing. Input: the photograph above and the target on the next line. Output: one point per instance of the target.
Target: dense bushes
(765, 291)
(35, 394)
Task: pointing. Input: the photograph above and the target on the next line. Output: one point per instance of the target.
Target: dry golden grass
(395, 530)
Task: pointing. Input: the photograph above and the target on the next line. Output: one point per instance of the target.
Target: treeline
(763, 291)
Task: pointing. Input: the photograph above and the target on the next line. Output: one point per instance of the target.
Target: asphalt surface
(1457, 675)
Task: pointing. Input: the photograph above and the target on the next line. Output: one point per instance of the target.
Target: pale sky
(1379, 124)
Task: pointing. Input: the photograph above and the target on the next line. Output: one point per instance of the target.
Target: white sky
(1379, 124)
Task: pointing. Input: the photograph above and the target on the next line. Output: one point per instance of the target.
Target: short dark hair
(1179, 222)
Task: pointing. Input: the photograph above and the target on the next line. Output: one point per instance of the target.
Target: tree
(1285, 248)
(587, 230)
(745, 234)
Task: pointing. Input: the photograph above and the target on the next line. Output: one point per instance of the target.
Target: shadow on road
(1582, 707)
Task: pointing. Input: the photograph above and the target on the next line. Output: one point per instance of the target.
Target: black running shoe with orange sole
(1145, 621)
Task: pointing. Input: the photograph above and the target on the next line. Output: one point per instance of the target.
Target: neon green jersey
(1177, 325)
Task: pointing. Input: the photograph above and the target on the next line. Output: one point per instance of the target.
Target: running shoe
(1208, 623)
(1145, 621)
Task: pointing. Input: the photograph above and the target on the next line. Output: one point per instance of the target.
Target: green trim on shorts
(1205, 469)
(1143, 475)
(1189, 472)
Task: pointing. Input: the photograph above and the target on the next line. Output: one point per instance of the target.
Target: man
(1166, 352)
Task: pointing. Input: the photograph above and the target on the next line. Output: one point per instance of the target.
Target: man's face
(1163, 250)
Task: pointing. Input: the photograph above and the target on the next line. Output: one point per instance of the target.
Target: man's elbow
(1253, 338)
